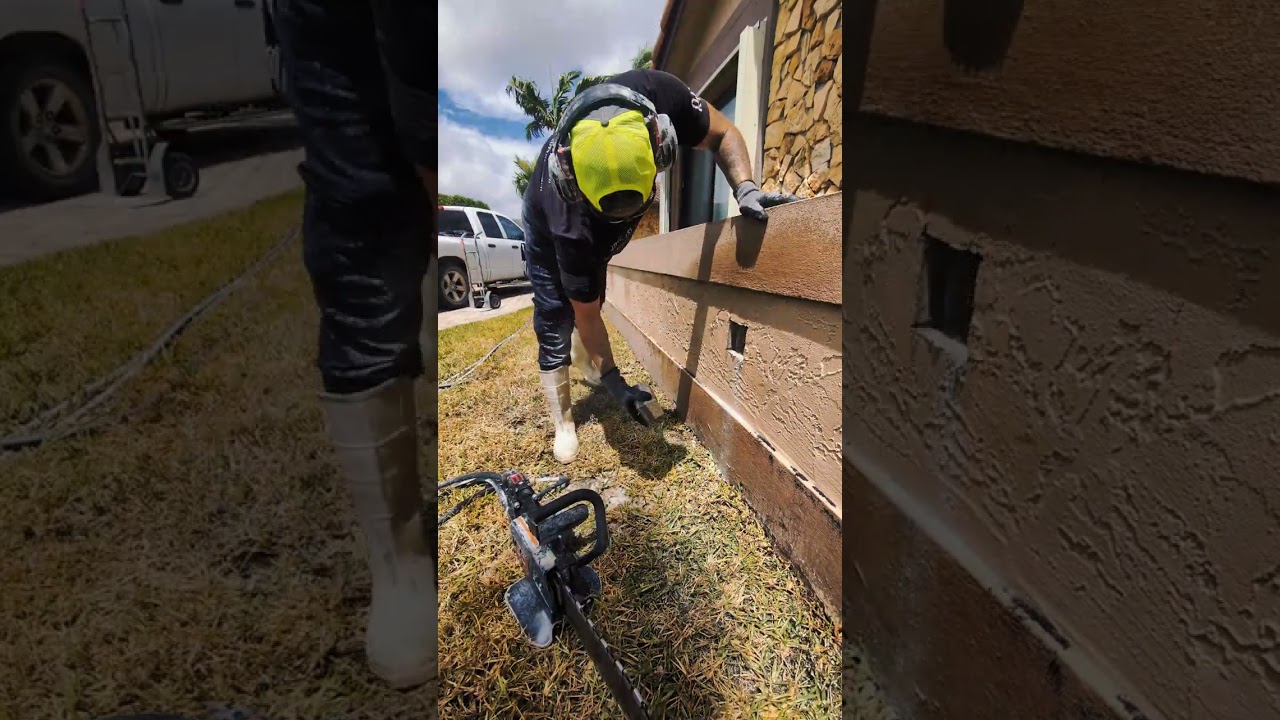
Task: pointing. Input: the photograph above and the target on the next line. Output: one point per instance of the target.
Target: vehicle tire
(494, 300)
(49, 131)
(454, 285)
(181, 175)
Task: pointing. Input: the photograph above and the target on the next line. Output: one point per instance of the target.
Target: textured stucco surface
(1110, 447)
(1182, 82)
(802, 524)
(783, 281)
(786, 385)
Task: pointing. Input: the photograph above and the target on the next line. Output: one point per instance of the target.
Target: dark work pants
(552, 311)
(366, 221)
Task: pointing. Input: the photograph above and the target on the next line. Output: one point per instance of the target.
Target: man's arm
(595, 338)
(730, 148)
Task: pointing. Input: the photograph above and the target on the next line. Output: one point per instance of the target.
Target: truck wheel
(50, 129)
(181, 175)
(454, 285)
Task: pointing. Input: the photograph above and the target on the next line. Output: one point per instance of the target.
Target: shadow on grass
(674, 629)
(642, 449)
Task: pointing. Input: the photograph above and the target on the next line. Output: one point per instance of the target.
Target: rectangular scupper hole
(950, 275)
(737, 337)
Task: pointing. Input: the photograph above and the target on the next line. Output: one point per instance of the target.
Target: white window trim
(751, 102)
(751, 99)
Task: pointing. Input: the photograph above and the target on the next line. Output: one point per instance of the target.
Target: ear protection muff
(662, 134)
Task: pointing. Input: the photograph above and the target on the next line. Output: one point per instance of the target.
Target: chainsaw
(559, 583)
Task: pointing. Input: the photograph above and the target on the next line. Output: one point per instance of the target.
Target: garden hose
(464, 375)
(63, 420)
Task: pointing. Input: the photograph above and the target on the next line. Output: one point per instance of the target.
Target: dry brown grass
(203, 552)
(696, 603)
(68, 318)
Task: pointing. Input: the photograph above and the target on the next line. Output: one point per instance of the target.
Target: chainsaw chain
(615, 676)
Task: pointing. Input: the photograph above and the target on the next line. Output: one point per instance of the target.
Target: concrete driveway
(514, 298)
(240, 164)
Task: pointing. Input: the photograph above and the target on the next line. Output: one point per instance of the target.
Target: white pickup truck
(193, 55)
(479, 247)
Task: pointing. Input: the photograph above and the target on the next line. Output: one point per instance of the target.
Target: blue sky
(483, 43)
(497, 127)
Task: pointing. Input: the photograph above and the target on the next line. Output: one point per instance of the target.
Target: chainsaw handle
(580, 495)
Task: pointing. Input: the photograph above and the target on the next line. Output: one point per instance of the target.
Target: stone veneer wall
(803, 145)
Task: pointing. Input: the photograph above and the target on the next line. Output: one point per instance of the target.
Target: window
(694, 191)
(705, 194)
(489, 225)
(513, 230)
(454, 223)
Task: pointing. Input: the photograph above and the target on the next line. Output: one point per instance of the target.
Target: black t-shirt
(582, 243)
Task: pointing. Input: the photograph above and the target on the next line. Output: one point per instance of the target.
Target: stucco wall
(803, 141)
(680, 292)
(1183, 82)
(1104, 460)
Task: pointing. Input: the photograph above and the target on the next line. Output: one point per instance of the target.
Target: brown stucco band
(801, 257)
(801, 524)
(944, 646)
(1101, 457)
(1186, 84)
(1208, 240)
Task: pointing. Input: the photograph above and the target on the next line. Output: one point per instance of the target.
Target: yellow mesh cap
(612, 156)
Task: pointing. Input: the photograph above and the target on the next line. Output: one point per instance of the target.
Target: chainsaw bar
(633, 706)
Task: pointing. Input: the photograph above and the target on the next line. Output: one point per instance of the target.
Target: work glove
(629, 397)
(752, 202)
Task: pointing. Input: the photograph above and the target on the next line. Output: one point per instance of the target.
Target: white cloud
(483, 43)
(480, 166)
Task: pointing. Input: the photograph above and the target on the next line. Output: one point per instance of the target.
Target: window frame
(749, 83)
(497, 225)
(717, 91)
(503, 221)
(450, 212)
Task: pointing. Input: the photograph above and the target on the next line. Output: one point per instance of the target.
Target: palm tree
(543, 113)
(524, 171)
(643, 59)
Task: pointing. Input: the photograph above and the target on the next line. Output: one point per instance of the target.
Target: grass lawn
(696, 604)
(203, 551)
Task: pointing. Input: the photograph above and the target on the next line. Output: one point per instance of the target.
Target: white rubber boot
(375, 435)
(556, 384)
(578, 356)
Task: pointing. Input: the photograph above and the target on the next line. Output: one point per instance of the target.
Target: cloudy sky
(483, 43)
